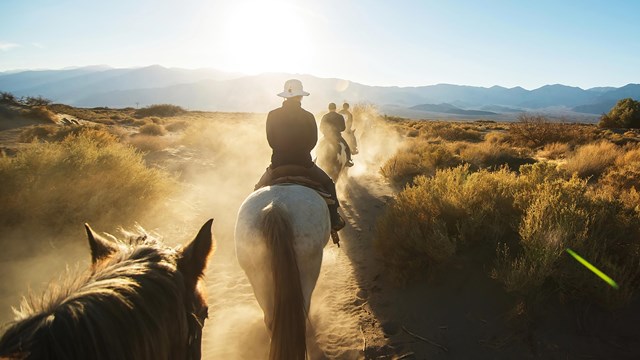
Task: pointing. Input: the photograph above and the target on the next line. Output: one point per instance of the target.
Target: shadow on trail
(459, 312)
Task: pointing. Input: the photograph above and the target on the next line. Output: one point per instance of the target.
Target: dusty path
(358, 311)
(345, 327)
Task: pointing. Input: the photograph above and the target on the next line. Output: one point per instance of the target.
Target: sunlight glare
(266, 37)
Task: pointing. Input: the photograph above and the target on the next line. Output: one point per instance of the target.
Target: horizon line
(243, 74)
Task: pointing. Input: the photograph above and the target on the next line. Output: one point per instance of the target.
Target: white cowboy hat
(293, 88)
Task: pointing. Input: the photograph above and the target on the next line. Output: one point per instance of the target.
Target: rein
(194, 339)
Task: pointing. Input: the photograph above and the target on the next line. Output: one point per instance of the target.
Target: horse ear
(195, 255)
(100, 247)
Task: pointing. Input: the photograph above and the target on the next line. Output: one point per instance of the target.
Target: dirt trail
(343, 324)
(357, 311)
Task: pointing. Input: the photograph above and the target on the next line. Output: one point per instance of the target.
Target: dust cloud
(218, 160)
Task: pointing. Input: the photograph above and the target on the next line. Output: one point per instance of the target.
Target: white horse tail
(289, 317)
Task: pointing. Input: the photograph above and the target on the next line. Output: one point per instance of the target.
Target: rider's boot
(348, 151)
(337, 222)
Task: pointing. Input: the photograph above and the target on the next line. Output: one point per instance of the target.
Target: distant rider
(292, 133)
(331, 126)
(348, 118)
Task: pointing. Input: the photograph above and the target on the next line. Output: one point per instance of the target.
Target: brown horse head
(139, 299)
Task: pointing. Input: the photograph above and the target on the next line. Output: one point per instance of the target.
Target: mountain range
(213, 90)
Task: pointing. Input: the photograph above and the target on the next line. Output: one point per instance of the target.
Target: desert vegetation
(512, 196)
(517, 199)
(109, 166)
(625, 114)
(517, 195)
(86, 176)
(160, 110)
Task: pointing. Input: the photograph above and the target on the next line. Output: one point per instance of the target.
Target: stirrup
(335, 237)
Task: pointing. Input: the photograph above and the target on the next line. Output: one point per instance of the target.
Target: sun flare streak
(594, 269)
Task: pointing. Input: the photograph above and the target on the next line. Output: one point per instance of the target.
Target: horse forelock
(131, 304)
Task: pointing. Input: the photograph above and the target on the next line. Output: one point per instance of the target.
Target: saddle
(294, 175)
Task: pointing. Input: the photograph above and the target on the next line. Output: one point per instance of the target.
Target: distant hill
(208, 89)
(69, 86)
(607, 99)
(450, 109)
(501, 109)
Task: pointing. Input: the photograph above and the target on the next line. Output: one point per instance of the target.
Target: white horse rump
(280, 234)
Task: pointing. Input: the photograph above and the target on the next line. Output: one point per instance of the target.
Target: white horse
(350, 137)
(331, 157)
(280, 234)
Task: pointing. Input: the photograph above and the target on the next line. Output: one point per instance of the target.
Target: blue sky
(404, 43)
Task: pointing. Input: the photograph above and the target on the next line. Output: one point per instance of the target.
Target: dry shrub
(413, 133)
(492, 156)
(39, 132)
(177, 126)
(140, 122)
(531, 218)
(417, 157)
(598, 226)
(402, 168)
(157, 120)
(592, 159)
(631, 155)
(554, 220)
(497, 137)
(40, 113)
(149, 143)
(99, 115)
(554, 151)
(105, 121)
(83, 178)
(626, 176)
(160, 110)
(452, 131)
(153, 129)
(429, 220)
(536, 130)
(58, 133)
(8, 112)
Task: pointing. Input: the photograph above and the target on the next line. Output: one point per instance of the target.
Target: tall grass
(554, 151)
(153, 130)
(161, 110)
(494, 155)
(534, 130)
(431, 219)
(88, 176)
(592, 160)
(418, 157)
(451, 131)
(530, 218)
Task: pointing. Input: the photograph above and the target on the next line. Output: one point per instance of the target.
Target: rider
(331, 125)
(348, 118)
(292, 133)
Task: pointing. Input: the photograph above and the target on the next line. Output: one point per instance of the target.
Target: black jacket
(332, 124)
(292, 134)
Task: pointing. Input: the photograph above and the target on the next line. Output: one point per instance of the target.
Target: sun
(265, 36)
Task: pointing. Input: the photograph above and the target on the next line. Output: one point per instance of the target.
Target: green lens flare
(595, 270)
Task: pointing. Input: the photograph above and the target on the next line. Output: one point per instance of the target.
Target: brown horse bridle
(194, 340)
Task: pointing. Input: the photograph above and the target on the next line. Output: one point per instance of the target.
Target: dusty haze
(218, 159)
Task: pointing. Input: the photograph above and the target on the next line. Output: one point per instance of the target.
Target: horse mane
(127, 306)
